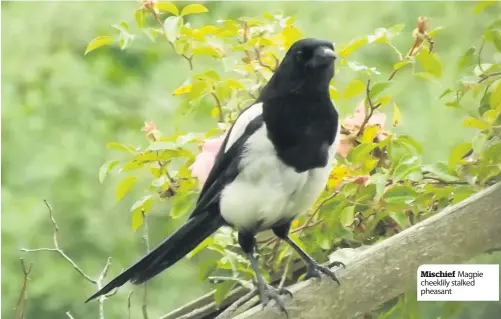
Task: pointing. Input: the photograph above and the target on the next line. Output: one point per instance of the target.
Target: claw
(315, 270)
(269, 293)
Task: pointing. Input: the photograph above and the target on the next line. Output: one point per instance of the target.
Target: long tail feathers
(173, 248)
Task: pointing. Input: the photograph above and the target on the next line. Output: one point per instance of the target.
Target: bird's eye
(299, 55)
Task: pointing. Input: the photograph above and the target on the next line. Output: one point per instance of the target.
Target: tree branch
(19, 310)
(390, 266)
(57, 249)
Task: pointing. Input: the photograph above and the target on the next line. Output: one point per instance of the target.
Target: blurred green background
(60, 108)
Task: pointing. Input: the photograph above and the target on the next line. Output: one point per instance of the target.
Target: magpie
(271, 167)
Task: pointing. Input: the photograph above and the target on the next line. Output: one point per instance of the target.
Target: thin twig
(146, 240)
(261, 63)
(441, 181)
(226, 314)
(189, 59)
(20, 308)
(372, 108)
(99, 283)
(59, 250)
(479, 61)
(219, 106)
(489, 75)
(128, 302)
(68, 314)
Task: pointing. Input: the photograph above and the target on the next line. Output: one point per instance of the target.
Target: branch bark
(388, 269)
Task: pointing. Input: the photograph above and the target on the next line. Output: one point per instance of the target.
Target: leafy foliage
(380, 185)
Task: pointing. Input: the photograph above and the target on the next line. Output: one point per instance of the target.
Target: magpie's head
(308, 67)
(314, 55)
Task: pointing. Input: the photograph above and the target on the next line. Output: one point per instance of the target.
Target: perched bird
(271, 167)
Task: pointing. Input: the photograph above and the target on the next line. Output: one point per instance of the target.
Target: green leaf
(123, 27)
(157, 146)
(467, 58)
(347, 216)
(369, 134)
(207, 242)
(139, 17)
(206, 268)
(357, 67)
(378, 88)
(125, 186)
(493, 153)
(479, 143)
(434, 32)
(401, 64)
(137, 219)
(172, 25)
(408, 165)
(380, 181)
(495, 98)
(167, 7)
(125, 40)
(400, 195)
(481, 6)
(353, 46)
(144, 202)
(476, 123)
(206, 50)
(462, 192)
(181, 204)
(401, 218)
(222, 290)
(360, 152)
(445, 93)
(199, 88)
(194, 9)
(106, 168)
(354, 88)
(290, 34)
(396, 115)
(429, 62)
(458, 153)
(120, 147)
(494, 36)
(490, 116)
(97, 43)
(440, 170)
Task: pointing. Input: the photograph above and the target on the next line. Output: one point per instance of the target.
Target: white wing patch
(241, 123)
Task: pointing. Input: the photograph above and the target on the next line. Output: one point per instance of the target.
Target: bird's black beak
(323, 56)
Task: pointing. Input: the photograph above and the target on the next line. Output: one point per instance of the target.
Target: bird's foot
(315, 270)
(268, 293)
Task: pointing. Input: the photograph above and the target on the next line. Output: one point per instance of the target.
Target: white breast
(267, 191)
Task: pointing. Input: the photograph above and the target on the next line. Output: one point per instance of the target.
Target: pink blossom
(352, 124)
(151, 131)
(204, 161)
(358, 117)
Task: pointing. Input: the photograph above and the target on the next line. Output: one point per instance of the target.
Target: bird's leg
(314, 269)
(266, 292)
